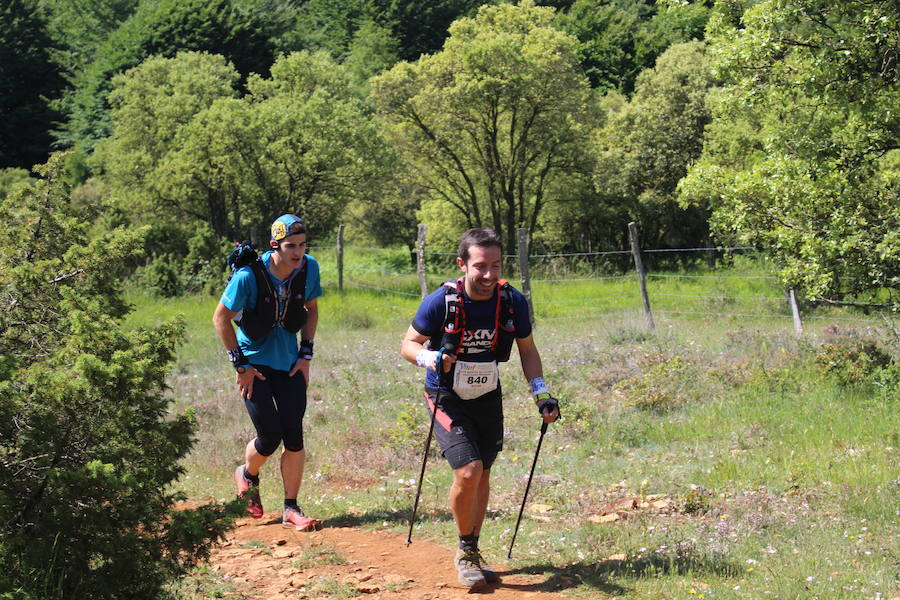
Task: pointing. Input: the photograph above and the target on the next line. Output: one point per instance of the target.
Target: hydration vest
(452, 337)
(267, 314)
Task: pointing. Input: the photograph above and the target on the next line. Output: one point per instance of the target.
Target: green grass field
(744, 470)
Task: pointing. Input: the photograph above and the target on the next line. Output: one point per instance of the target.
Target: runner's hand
(302, 365)
(245, 381)
(428, 358)
(549, 408)
(447, 360)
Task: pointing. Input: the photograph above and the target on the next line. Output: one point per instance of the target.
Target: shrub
(663, 388)
(854, 361)
(88, 454)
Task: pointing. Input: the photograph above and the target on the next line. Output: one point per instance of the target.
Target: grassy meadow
(712, 457)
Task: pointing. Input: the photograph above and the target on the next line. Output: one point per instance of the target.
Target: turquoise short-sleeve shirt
(278, 349)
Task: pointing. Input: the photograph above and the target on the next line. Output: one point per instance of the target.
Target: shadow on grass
(597, 575)
(394, 517)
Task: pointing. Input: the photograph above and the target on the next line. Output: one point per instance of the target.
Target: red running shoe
(250, 492)
(294, 517)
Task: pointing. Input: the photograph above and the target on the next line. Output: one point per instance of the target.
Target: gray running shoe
(468, 568)
(490, 575)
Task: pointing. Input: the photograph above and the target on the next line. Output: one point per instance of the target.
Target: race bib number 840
(474, 379)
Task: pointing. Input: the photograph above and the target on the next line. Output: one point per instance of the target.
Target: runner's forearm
(312, 321)
(224, 329)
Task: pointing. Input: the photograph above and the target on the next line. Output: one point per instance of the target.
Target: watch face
(241, 369)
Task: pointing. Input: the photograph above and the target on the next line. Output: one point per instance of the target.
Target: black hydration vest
(267, 314)
(455, 321)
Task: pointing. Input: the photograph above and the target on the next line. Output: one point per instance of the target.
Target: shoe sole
(472, 585)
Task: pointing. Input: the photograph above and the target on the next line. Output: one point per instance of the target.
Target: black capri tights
(276, 408)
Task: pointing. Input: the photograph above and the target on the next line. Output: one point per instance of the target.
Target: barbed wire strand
(592, 299)
(584, 278)
(373, 287)
(712, 276)
(699, 249)
(780, 299)
(591, 314)
(759, 315)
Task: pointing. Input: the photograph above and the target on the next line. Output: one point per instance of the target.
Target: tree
(79, 27)
(299, 141)
(28, 79)
(88, 454)
(421, 26)
(619, 39)
(802, 155)
(162, 27)
(373, 50)
(606, 35)
(647, 144)
(488, 124)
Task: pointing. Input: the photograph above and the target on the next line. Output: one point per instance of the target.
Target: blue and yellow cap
(286, 225)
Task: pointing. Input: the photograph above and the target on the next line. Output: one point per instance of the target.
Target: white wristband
(426, 358)
(538, 386)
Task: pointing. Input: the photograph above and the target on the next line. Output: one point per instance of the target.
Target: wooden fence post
(795, 311)
(523, 271)
(340, 257)
(639, 266)
(420, 259)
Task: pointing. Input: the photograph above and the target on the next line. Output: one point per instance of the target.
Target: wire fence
(707, 282)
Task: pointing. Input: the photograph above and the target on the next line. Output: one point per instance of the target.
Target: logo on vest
(478, 340)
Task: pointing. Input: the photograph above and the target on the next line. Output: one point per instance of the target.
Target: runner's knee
(469, 475)
(293, 440)
(266, 446)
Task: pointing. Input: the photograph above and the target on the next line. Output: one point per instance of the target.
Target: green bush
(88, 451)
(183, 262)
(853, 361)
(662, 388)
(160, 277)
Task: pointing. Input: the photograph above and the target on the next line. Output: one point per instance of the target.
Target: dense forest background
(767, 123)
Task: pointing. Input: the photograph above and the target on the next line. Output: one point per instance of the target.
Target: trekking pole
(527, 487)
(438, 364)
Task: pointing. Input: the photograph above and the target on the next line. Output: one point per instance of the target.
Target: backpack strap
(294, 314)
(454, 315)
(507, 311)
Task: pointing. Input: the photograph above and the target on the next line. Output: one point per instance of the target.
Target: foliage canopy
(802, 155)
(299, 141)
(491, 122)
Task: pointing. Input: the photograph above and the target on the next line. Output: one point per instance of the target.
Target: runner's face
(291, 249)
(482, 271)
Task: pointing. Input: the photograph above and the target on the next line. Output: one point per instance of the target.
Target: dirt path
(267, 562)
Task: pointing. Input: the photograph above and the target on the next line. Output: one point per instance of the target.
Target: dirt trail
(267, 562)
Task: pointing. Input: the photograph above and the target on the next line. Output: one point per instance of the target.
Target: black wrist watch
(305, 351)
(238, 360)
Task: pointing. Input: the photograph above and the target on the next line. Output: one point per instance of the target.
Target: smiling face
(482, 271)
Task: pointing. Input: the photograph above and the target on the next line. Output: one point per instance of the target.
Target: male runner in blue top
(469, 418)
(272, 371)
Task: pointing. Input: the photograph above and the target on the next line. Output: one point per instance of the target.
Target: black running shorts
(276, 408)
(468, 430)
